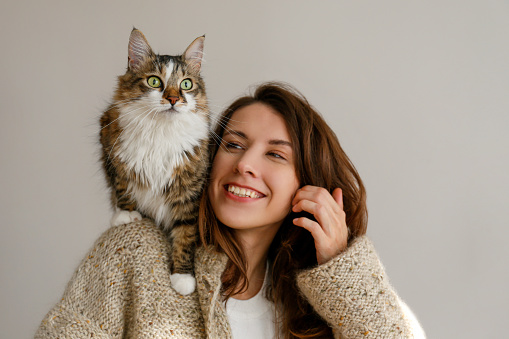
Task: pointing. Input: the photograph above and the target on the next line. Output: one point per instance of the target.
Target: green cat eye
(154, 82)
(186, 84)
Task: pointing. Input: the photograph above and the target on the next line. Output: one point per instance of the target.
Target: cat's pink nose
(173, 100)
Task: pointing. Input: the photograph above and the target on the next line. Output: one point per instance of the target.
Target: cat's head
(161, 86)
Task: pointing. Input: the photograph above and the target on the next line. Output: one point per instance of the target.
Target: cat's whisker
(113, 147)
(124, 195)
(122, 116)
(208, 113)
(225, 125)
(153, 116)
(120, 134)
(145, 114)
(123, 102)
(214, 117)
(219, 141)
(214, 105)
(207, 110)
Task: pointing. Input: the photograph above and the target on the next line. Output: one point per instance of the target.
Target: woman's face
(253, 177)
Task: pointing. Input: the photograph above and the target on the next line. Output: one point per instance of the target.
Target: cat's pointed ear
(194, 53)
(139, 49)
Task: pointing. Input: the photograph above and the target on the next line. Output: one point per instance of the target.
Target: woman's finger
(319, 212)
(318, 195)
(337, 194)
(306, 206)
(312, 227)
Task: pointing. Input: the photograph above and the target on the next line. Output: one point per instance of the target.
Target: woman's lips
(243, 192)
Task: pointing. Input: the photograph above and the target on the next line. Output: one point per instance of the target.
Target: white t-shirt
(252, 318)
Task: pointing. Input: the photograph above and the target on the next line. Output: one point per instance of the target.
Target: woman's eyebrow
(280, 142)
(276, 142)
(237, 133)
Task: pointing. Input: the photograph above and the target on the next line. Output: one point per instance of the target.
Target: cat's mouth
(171, 110)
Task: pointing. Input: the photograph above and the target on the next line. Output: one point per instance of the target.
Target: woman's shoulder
(136, 244)
(123, 286)
(139, 235)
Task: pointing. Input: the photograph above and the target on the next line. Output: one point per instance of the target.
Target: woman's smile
(239, 191)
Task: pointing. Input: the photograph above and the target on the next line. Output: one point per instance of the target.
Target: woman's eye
(276, 155)
(233, 145)
(154, 82)
(186, 84)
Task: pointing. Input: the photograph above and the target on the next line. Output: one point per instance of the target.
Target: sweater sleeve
(94, 302)
(352, 293)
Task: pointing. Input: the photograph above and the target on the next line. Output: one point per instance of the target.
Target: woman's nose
(246, 164)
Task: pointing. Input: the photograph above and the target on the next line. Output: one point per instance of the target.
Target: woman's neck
(256, 248)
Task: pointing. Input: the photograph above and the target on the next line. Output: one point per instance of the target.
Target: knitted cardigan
(122, 290)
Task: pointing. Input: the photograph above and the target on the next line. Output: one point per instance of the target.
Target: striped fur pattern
(154, 140)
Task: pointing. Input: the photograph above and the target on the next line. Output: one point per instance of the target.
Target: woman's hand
(329, 230)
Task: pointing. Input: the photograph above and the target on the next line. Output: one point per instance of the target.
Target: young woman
(283, 251)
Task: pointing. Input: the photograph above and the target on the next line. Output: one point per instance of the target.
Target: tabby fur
(155, 146)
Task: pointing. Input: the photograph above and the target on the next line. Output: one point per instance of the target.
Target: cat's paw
(183, 283)
(125, 217)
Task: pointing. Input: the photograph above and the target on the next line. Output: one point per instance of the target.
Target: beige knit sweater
(122, 290)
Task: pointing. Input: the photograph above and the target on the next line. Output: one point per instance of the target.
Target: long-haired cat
(155, 147)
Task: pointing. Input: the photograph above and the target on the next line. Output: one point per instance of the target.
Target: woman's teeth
(242, 192)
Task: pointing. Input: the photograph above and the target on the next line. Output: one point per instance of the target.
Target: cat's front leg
(126, 207)
(183, 239)
(125, 217)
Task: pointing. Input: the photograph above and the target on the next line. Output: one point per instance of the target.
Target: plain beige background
(417, 92)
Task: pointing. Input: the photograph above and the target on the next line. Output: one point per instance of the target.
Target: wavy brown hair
(319, 161)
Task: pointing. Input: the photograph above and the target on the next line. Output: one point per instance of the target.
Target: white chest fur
(153, 142)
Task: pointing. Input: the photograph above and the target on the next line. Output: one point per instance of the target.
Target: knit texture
(122, 289)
